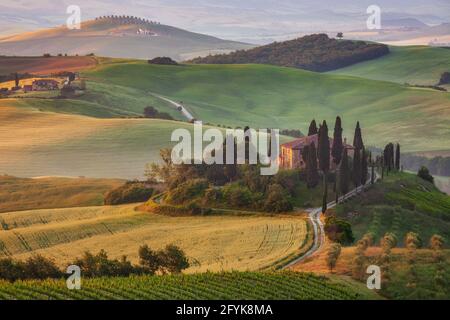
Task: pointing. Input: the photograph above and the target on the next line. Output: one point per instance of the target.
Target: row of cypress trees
(358, 174)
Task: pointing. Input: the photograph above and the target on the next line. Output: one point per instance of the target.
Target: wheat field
(212, 243)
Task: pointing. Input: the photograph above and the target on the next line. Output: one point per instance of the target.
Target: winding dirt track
(319, 232)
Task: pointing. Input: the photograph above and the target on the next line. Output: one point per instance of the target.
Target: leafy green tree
(277, 199)
(172, 259)
(149, 259)
(339, 230)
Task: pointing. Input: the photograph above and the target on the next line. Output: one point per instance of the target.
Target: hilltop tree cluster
(315, 52)
(126, 19)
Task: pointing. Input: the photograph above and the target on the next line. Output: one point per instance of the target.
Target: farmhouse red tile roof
(300, 143)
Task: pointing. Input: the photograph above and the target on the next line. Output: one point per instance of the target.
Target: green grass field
(418, 65)
(400, 204)
(40, 142)
(268, 96)
(52, 192)
(211, 286)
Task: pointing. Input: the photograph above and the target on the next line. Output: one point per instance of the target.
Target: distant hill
(410, 64)
(315, 52)
(121, 37)
(409, 23)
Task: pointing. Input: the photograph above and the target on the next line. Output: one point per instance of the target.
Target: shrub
(151, 112)
(425, 174)
(38, 267)
(212, 195)
(338, 230)
(187, 191)
(163, 61)
(130, 192)
(99, 265)
(237, 195)
(277, 200)
(35, 267)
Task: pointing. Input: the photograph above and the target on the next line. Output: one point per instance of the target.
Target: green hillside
(268, 96)
(401, 203)
(418, 65)
(207, 286)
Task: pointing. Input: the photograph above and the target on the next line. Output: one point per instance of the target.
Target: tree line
(169, 260)
(316, 52)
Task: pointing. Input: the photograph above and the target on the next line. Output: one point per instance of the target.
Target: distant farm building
(44, 85)
(291, 152)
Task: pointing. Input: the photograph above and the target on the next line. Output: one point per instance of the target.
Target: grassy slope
(207, 286)
(231, 242)
(414, 64)
(267, 96)
(37, 143)
(401, 203)
(23, 194)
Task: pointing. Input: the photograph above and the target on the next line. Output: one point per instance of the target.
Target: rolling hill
(36, 143)
(417, 65)
(47, 137)
(117, 37)
(287, 98)
(53, 192)
(401, 203)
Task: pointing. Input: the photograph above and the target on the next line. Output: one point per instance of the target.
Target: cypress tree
(357, 138)
(324, 148)
(388, 157)
(336, 149)
(357, 168)
(324, 161)
(344, 174)
(312, 174)
(312, 128)
(397, 157)
(364, 167)
(16, 79)
(338, 146)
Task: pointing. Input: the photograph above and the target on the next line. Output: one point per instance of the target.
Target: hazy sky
(232, 19)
